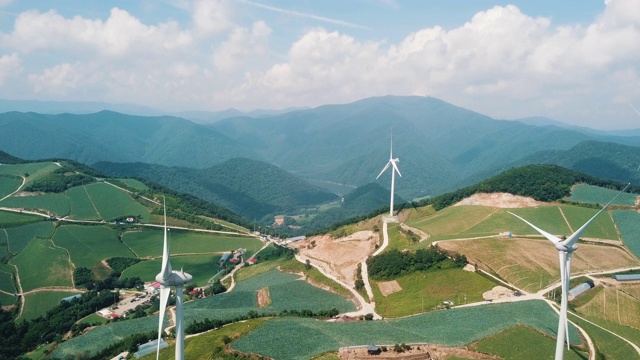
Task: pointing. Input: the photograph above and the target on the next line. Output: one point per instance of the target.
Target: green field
(112, 202)
(9, 184)
(56, 204)
(602, 227)
(4, 245)
(93, 319)
(6, 278)
(41, 264)
(201, 267)
(18, 237)
(523, 342)
(89, 245)
(628, 222)
(597, 195)
(612, 346)
(37, 304)
(11, 219)
(134, 184)
(451, 220)
(34, 170)
(81, 206)
(298, 338)
(426, 290)
(148, 242)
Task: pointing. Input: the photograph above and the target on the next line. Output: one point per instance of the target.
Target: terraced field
(18, 237)
(596, 195)
(617, 305)
(51, 268)
(89, 245)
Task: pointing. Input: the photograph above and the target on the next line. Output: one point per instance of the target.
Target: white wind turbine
(565, 249)
(634, 109)
(168, 278)
(392, 162)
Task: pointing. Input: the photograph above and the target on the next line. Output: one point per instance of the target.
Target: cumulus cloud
(56, 80)
(242, 45)
(212, 17)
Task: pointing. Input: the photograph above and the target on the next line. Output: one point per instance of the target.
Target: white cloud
(56, 80)
(10, 66)
(212, 17)
(241, 46)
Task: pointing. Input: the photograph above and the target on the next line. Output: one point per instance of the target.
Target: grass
(296, 338)
(18, 237)
(613, 347)
(628, 222)
(6, 280)
(425, 291)
(315, 276)
(397, 239)
(7, 300)
(148, 242)
(34, 170)
(38, 303)
(50, 269)
(111, 202)
(134, 184)
(89, 245)
(81, 206)
(601, 228)
(451, 220)
(9, 184)
(523, 342)
(597, 195)
(613, 305)
(93, 319)
(201, 267)
(53, 204)
(10, 219)
(40, 352)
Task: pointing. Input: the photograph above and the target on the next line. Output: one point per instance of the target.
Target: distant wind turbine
(168, 278)
(565, 249)
(634, 109)
(392, 162)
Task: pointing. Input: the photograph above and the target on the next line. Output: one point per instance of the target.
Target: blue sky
(576, 61)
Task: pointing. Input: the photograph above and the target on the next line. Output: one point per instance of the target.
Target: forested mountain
(9, 159)
(253, 189)
(110, 136)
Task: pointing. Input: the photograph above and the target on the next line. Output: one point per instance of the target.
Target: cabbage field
(628, 222)
(597, 195)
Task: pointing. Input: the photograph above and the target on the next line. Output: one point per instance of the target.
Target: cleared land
(500, 200)
(295, 338)
(596, 195)
(89, 245)
(112, 202)
(628, 222)
(38, 303)
(50, 269)
(532, 264)
(18, 237)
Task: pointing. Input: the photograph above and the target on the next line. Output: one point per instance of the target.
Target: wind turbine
(392, 162)
(634, 109)
(565, 249)
(168, 278)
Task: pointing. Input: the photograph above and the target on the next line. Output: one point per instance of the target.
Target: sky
(575, 61)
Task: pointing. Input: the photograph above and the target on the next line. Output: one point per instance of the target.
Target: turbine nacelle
(177, 278)
(564, 248)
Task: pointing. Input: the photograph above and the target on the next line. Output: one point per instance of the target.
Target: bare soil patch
(263, 297)
(496, 293)
(417, 352)
(28, 193)
(499, 200)
(389, 287)
(340, 256)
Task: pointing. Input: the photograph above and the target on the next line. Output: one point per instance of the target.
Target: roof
(372, 348)
(627, 277)
(69, 298)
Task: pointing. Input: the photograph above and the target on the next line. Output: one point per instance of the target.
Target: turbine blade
(554, 239)
(571, 240)
(164, 297)
(166, 265)
(634, 109)
(391, 149)
(567, 274)
(383, 170)
(395, 167)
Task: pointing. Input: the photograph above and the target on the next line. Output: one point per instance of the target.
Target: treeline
(60, 180)
(394, 263)
(84, 277)
(9, 159)
(129, 343)
(17, 338)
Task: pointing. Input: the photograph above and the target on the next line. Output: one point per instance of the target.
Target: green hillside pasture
(451, 220)
(6, 285)
(596, 195)
(299, 338)
(38, 303)
(628, 222)
(614, 305)
(4, 245)
(397, 240)
(523, 342)
(428, 289)
(134, 184)
(89, 245)
(18, 237)
(612, 346)
(112, 202)
(9, 184)
(148, 242)
(56, 204)
(601, 228)
(81, 206)
(548, 218)
(104, 336)
(11, 219)
(33, 169)
(286, 291)
(41, 264)
(201, 267)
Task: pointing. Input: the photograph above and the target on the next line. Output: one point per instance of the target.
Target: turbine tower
(168, 278)
(565, 249)
(392, 162)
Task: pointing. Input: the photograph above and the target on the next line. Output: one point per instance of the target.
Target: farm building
(150, 347)
(152, 288)
(224, 258)
(373, 350)
(252, 260)
(69, 298)
(294, 239)
(627, 277)
(580, 289)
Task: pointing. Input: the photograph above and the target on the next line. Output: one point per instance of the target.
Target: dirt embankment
(499, 200)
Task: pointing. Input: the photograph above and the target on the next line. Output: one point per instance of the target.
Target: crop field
(4, 245)
(522, 342)
(451, 220)
(18, 237)
(33, 169)
(88, 245)
(597, 195)
(532, 264)
(11, 219)
(601, 228)
(56, 204)
(51, 268)
(38, 303)
(81, 206)
(614, 305)
(93, 319)
(104, 336)
(8, 184)
(628, 222)
(135, 184)
(6, 279)
(612, 346)
(112, 202)
(299, 338)
(201, 267)
(426, 290)
(148, 242)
